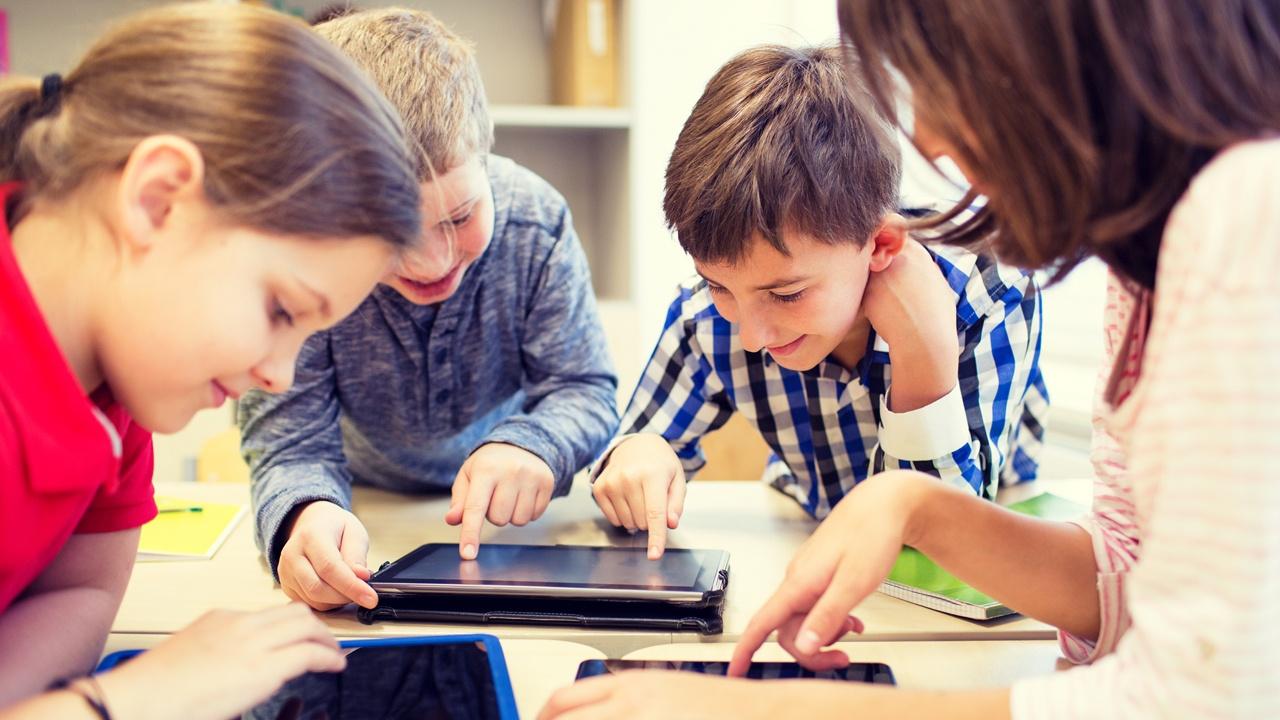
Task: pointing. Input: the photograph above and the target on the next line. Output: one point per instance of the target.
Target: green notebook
(917, 579)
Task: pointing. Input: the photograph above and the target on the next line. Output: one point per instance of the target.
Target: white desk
(759, 527)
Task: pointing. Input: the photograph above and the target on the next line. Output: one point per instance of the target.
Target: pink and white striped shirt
(1186, 515)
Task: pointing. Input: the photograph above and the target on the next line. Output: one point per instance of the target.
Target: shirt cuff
(598, 466)
(1113, 617)
(933, 431)
(282, 490)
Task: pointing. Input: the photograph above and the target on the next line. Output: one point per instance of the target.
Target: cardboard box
(584, 53)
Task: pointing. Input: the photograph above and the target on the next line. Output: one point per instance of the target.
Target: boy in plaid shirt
(849, 345)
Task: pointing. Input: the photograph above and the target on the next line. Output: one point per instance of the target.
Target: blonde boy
(479, 365)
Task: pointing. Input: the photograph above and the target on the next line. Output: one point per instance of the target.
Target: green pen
(192, 508)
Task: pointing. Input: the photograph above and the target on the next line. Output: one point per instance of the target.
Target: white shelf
(559, 116)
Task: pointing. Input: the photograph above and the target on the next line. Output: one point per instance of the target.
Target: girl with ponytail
(207, 187)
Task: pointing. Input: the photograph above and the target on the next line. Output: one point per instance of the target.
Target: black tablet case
(705, 617)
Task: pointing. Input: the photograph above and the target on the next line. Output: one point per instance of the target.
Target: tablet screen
(553, 566)
(435, 682)
(878, 673)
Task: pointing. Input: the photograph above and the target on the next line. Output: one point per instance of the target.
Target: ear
(887, 241)
(162, 173)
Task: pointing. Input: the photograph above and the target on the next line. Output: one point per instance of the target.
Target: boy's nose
(754, 335)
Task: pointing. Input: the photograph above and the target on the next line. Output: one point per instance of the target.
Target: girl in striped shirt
(1145, 133)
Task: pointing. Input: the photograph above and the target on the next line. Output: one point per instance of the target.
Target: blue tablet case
(506, 700)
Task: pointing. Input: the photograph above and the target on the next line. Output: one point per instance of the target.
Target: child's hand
(664, 695)
(911, 307)
(910, 300)
(323, 562)
(642, 488)
(222, 664)
(503, 482)
(829, 575)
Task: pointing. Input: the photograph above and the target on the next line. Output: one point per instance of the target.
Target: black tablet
(877, 673)
(578, 571)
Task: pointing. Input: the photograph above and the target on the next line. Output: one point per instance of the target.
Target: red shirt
(68, 463)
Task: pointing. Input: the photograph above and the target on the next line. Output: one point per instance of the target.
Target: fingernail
(808, 642)
(469, 552)
(654, 552)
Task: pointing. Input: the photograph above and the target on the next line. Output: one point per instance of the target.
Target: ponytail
(19, 100)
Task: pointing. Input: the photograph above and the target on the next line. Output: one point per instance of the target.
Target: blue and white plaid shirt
(829, 427)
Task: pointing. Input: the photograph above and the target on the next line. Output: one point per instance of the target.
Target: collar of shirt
(828, 368)
(65, 442)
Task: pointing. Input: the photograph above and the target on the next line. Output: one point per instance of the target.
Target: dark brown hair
(1085, 119)
(295, 139)
(780, 141)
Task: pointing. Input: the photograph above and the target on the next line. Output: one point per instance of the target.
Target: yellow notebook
(187, 529)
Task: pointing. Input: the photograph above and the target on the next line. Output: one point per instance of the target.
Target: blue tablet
(459, 677)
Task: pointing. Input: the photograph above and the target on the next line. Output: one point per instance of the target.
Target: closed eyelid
(462, 212)
(787, 297)
(318, 303)
(786, 293)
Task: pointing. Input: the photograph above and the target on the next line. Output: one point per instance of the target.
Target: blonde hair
(428, 73)
(294, 138)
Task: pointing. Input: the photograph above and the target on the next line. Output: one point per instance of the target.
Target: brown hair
(294, 138)
(429, 74)
(1085, 119)
(780, 141)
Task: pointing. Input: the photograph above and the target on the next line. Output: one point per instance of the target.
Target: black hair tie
(50, 94)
